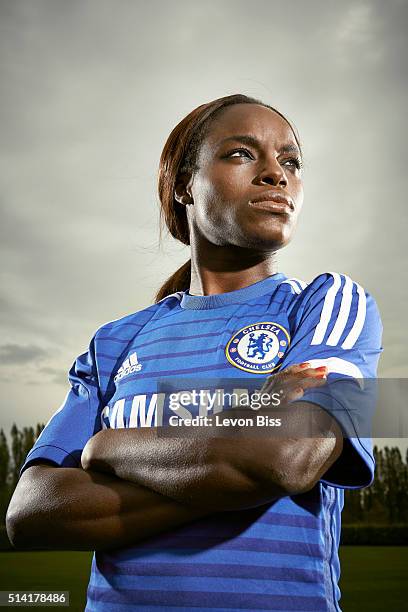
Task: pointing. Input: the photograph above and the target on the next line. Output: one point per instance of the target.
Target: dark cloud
(14, 354)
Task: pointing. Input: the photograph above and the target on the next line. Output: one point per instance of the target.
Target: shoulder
(129, 324)
(327, 286)
(335, 291)
(336, 308)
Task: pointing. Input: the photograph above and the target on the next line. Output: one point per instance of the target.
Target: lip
(278, 208)
(274, 201)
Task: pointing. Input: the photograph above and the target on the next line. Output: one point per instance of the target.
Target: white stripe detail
(339, 366)
(359, 322)
(293, 285)
(327, 310)
(302, 283)
(343, 315)
(177, 294)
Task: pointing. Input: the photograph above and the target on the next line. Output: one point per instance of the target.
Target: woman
(201, 520)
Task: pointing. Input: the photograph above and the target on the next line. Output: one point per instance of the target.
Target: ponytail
(179, 281)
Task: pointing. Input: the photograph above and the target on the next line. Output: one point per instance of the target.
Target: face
(248, 189)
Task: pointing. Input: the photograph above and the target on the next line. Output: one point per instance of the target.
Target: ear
(182, 190)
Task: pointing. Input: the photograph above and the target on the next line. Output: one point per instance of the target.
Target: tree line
(384, 503)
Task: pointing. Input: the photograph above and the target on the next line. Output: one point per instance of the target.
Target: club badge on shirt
(258, 348)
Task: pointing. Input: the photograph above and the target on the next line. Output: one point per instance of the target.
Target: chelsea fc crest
(258, 348)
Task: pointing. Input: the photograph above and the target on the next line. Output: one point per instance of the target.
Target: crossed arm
(206, 471)
(134, 484)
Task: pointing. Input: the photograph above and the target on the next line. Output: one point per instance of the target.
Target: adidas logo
(129, 366)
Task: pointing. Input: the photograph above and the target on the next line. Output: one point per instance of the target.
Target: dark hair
(179, 155)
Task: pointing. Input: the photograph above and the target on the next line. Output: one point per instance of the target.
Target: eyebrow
(254, 142)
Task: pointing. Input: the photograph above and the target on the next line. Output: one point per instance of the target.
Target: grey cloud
(14, 354)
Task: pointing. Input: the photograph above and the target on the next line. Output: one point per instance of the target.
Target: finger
(297, 367)
(319, 372)
(293, 375)
(283, 374)
(315, 371)
(291, 389)
(311, 383)
(273, 381)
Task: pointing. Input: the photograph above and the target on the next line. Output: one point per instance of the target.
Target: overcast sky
(91, 90)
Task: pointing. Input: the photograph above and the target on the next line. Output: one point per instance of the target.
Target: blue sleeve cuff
(56, 455)
(354, 468)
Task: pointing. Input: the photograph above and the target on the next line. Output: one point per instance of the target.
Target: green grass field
(373, 578)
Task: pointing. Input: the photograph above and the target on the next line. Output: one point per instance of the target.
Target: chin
(264, 243)
(268, 240)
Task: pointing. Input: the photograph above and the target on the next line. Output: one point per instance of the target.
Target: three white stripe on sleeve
(343, 314)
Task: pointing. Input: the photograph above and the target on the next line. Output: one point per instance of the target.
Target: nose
(273, 174)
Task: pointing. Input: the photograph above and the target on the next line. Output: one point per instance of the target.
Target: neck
(220, 269)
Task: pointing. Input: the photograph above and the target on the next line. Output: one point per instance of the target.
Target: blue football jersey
(278, 556)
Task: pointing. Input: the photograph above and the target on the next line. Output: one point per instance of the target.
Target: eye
(235, 151)
(294, 162)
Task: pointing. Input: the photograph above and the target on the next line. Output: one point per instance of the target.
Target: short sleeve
(337, 324)
(70, 427)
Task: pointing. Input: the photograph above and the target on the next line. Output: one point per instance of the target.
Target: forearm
(205, 470)
(70, 509)
(186, 470)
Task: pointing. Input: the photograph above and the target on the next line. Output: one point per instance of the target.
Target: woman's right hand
(291, 383)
